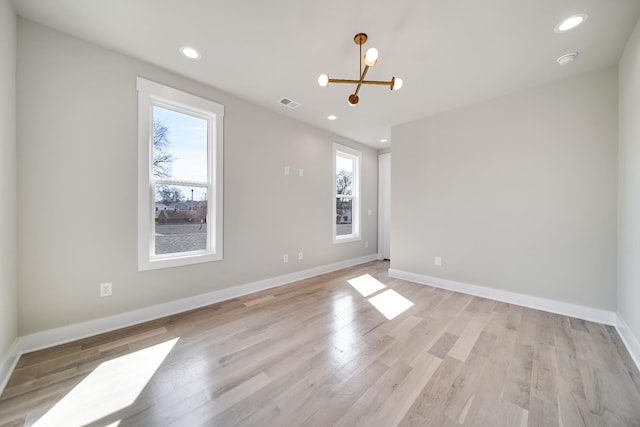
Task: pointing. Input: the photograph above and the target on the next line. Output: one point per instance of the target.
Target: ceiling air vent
(289, 103)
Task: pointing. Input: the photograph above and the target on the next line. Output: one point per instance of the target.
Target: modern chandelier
(370, 59)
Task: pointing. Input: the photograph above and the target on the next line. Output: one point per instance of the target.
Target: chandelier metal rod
(360, 42)
(366, 82)
(364, 73)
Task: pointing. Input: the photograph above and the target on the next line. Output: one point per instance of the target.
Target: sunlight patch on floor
(390, 303)
(366, 285)
(111, 387)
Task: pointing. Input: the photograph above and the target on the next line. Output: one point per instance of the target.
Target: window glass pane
(346, 207)
(343, 216)
(344, 175)
(179, 145)
(180, 219)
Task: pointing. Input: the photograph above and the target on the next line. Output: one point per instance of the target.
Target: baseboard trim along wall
(56, 336)
(8, 364)
(629, 339)
(573, 310)
(538, 303)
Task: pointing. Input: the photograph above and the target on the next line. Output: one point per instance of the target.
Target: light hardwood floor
(319, 353)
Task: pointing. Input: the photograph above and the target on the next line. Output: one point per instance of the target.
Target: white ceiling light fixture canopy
(370, 59)
(571, 22)
(567, 58)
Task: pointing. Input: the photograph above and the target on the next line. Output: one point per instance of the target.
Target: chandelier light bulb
(323, 80)
(397, 83)
(371, 57)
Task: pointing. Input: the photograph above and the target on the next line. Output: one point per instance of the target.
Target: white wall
(517, 194)
(384, 205)
(8, 218)
(77, 132)
(629, 185)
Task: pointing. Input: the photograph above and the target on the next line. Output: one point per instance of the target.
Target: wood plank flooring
(318, 353)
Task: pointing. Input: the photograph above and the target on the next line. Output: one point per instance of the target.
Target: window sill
(157, 263)
(346, 239)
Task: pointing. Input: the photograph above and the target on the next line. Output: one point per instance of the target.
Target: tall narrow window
(346, 203)
(180, 177)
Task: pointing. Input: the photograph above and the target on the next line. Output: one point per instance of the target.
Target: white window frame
(152, 94)
(356, 157)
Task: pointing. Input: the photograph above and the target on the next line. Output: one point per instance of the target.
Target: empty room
(283, 213)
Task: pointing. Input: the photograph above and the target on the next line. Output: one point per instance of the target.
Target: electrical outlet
(287, 171)
(366, 243)
(105, 289)
(285, 258)
(438, 261)
(300, 256)
(301, 172)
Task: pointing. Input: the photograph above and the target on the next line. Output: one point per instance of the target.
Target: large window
(180, 177)
(346, 203)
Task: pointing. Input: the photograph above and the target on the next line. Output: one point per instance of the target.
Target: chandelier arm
(364, 73)
(376, 82)
(344, 81)
(365, 82)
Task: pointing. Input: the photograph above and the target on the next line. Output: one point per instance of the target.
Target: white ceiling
(448, 52)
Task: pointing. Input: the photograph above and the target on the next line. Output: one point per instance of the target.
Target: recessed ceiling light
(567, 58)
(571, 22)
(332, 117)
(384, 140)
(190, 52)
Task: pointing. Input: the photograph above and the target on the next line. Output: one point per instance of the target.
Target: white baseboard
(64, 334)
(573, 310)
(8, 364)
(629, 339)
